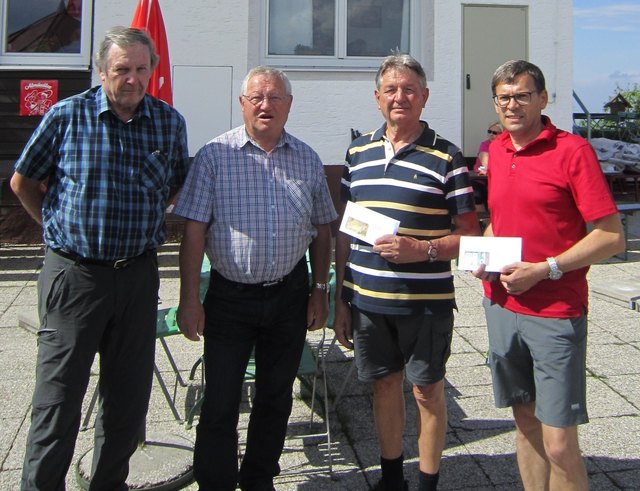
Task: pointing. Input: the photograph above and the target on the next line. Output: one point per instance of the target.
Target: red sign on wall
(37, 96)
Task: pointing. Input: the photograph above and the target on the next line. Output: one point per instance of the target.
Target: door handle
(468, 82)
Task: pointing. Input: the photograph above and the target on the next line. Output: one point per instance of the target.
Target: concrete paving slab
(624, 292)
(616, 359)
(480, 439)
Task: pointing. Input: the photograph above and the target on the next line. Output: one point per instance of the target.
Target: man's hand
(317, 309)
(342, 324)
(400, 249)
(519, 277)
(190, 319)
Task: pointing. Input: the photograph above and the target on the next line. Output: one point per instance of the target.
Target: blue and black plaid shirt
(108, 180)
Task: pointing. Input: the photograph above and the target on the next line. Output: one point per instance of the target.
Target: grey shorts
(384, 344)
(539, 359)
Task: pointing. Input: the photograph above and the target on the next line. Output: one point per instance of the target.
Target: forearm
(190, 260)
(320, 254)
(605, 240)
(449, 245)
(29, 193)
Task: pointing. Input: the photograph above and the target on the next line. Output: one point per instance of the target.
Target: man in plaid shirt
(110, 158)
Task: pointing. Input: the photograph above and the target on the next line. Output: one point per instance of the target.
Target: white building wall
(327, 104)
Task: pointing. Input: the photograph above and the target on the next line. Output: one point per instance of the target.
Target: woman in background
(482, 158)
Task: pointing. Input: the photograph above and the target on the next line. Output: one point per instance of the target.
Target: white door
(491, 36)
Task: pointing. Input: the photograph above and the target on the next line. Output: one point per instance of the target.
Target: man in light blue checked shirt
(110, 158)
(256, 199)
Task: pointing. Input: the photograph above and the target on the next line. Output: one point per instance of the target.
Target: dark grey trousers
(84, 310)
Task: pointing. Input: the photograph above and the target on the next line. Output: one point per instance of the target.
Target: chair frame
(166, 325)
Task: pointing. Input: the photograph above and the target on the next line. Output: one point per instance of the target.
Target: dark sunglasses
(491, 132)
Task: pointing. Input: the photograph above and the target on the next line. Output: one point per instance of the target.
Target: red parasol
(149, 18)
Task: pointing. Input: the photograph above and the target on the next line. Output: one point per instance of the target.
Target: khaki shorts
(539, 359)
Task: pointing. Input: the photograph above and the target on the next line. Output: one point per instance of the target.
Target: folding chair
(312, 367)
(165, 326)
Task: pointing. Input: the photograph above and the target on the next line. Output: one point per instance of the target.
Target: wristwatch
(554, 270)
(321, 286)
(432, 251)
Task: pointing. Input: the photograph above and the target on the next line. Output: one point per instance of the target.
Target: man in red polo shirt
(545, 185)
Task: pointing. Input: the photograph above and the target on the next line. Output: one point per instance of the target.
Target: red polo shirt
(545, 193)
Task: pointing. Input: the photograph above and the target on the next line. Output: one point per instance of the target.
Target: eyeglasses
(522, 98)
(257, 100)
(491, 132)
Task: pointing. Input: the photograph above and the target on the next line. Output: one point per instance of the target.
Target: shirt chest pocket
(299, 199)
(154, 170)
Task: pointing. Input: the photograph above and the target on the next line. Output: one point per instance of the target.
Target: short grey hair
(124, 36)
(267, 71)
(401, 61)
(508, 72)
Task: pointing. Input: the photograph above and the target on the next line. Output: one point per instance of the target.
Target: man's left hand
(317, 309)
(400, 249)
(519, 277)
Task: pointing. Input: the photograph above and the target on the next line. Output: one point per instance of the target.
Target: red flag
(149, 18)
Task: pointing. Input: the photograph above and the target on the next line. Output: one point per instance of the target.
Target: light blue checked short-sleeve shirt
(108, 180)
(261, 207)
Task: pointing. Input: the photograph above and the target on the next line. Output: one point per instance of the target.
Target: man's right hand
(190, 318)
(342, 324)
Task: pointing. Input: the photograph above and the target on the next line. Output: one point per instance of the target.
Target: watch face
(432, 253)
(555, 274)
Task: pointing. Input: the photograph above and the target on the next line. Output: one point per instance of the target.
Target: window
(338, 33)
(45, 32)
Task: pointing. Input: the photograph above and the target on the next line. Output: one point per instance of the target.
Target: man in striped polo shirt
(397, 296)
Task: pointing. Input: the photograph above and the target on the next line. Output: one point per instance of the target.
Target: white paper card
(365, 224)
(494, 252)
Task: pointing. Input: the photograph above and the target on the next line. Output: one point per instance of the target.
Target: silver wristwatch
(554, 270)
(321, 286)
(432, 251)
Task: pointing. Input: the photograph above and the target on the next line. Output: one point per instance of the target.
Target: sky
(606, 49)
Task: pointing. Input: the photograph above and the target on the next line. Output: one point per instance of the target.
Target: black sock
(392, 472)
(428, 482)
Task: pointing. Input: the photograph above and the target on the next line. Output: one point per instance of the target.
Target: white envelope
(365, 224)
(494, 252)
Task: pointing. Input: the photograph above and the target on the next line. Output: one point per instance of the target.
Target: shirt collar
(143, 110)
(426, 139)
(548, 133)
(285, 139)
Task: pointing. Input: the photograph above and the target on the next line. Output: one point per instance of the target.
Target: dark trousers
(273, 319)
(84, 310)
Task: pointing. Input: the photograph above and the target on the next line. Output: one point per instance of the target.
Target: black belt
(215, 276)
(115, 264)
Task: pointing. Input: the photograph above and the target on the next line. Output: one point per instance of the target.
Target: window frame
(73, 61)
(340, 60)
